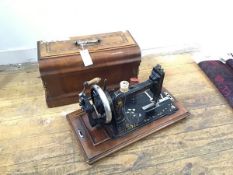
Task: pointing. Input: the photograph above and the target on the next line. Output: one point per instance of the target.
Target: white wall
(153, 23)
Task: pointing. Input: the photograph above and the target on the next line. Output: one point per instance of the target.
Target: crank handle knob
(93, 81)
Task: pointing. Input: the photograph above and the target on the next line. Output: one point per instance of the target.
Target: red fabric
(230, 63)
(221, 75)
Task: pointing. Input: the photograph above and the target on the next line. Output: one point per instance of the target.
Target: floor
(37, 140)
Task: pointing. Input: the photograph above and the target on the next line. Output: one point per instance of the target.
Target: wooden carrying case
(115, 57)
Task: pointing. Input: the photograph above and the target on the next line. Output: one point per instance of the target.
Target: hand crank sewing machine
(112, 119)
(122, 111)
(112, 116)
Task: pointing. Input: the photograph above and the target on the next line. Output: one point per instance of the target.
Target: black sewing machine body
(123, 111)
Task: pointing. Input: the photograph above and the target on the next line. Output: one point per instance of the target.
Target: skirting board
(18, 56)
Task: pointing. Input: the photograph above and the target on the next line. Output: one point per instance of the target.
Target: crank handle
(93, 81)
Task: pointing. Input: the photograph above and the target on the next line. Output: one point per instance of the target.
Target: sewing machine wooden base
(96, 143)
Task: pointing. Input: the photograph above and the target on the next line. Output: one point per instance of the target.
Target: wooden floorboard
(35, 139)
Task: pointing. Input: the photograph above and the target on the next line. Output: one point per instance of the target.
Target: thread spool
(124, 86)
